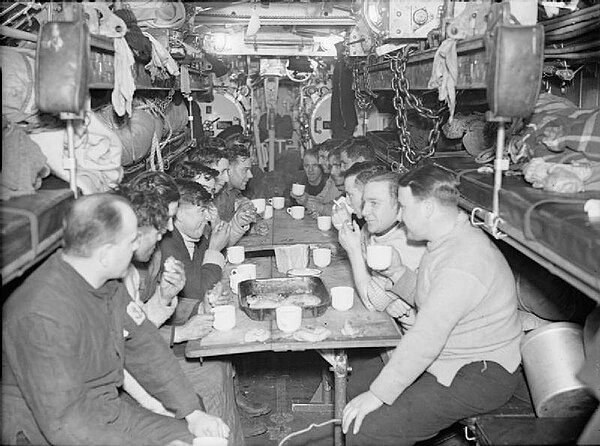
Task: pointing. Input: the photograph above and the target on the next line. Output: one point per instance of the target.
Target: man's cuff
(378, 297)
(382, 391)
(405, 285)
(214, 257)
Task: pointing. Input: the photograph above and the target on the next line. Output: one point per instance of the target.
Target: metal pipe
(72, 162)
(17, 34)
(498, 169)
(340, 372)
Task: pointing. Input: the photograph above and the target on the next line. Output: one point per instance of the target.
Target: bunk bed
(551, 228)
(31, 225)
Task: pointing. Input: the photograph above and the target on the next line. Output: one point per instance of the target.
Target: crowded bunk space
(300, 222)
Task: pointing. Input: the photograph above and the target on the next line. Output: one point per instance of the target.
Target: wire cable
(293, 434)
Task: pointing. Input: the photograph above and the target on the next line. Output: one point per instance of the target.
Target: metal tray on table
(284, 287)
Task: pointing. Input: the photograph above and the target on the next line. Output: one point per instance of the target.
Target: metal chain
(162, 104)
(403, 98)
(361, 84)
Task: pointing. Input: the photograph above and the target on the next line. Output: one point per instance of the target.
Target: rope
(294, 434)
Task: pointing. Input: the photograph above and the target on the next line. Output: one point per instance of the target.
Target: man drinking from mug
(461, 355)
(380, 211)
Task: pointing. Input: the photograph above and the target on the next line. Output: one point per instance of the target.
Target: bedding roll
(135, 133)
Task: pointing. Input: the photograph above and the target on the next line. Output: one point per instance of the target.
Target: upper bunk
(527, 174)
(157, 131)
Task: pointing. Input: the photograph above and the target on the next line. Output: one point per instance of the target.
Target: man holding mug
(461, 356)
(382, 228)
(319, 189)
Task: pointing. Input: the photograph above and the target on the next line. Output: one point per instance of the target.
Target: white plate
(302, 272)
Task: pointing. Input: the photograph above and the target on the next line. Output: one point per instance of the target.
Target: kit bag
(62, 64)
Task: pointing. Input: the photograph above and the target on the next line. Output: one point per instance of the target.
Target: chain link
(361, 83)
(162, 104)
(403, 99)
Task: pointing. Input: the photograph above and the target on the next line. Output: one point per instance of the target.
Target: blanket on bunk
(562, 144)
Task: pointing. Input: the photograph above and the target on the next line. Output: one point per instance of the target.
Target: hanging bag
(62, 62)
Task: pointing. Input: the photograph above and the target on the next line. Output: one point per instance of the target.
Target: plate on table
(304, 272)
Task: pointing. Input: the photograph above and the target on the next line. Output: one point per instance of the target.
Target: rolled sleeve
(405, 286)
(214, 257)
(157, 311)
(377, 294)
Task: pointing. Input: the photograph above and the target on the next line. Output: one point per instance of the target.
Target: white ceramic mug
(268, 212)
(289, 318)
(298, 189)
(224, 317)
(259, 204)
(342, 297)
(209, 441)
(324, 222)
(379, 257)
(243, 272)
(322, 257)
(235, 254)
(277, 202)
(297, 212)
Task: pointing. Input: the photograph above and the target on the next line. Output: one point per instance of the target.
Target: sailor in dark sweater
(202, 258)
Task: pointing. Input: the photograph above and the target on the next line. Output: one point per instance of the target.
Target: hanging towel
(161, 59)
(122, 94)
(445, 73)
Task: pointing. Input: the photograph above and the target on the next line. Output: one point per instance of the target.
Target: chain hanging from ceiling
(403, 99)
(363, 94)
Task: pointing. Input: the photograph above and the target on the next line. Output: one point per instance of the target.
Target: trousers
(213, 381)
(426, 406)
(19, 426)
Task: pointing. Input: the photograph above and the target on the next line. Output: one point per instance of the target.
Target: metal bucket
(552, 356)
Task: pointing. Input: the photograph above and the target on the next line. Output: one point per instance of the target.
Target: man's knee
(210, 374)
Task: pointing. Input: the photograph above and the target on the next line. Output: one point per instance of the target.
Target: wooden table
(374, 329)
(284, 230)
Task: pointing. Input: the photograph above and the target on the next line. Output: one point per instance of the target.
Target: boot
(252, 427)
(247, 406)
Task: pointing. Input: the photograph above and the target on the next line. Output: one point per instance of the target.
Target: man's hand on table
(197, 327)
(201, 424)
(172, 280)
(358, 409)
(219, 237)
(349, 237)
(261, 228)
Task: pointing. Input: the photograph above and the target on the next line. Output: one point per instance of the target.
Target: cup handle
(270, 201)
(233, 272)
(289, 211)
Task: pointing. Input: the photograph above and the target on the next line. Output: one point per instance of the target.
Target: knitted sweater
(466, 312)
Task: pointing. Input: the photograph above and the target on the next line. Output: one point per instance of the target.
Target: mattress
(31, 227)
(556, 222)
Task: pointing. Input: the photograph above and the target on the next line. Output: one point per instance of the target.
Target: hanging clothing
(343, 113)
